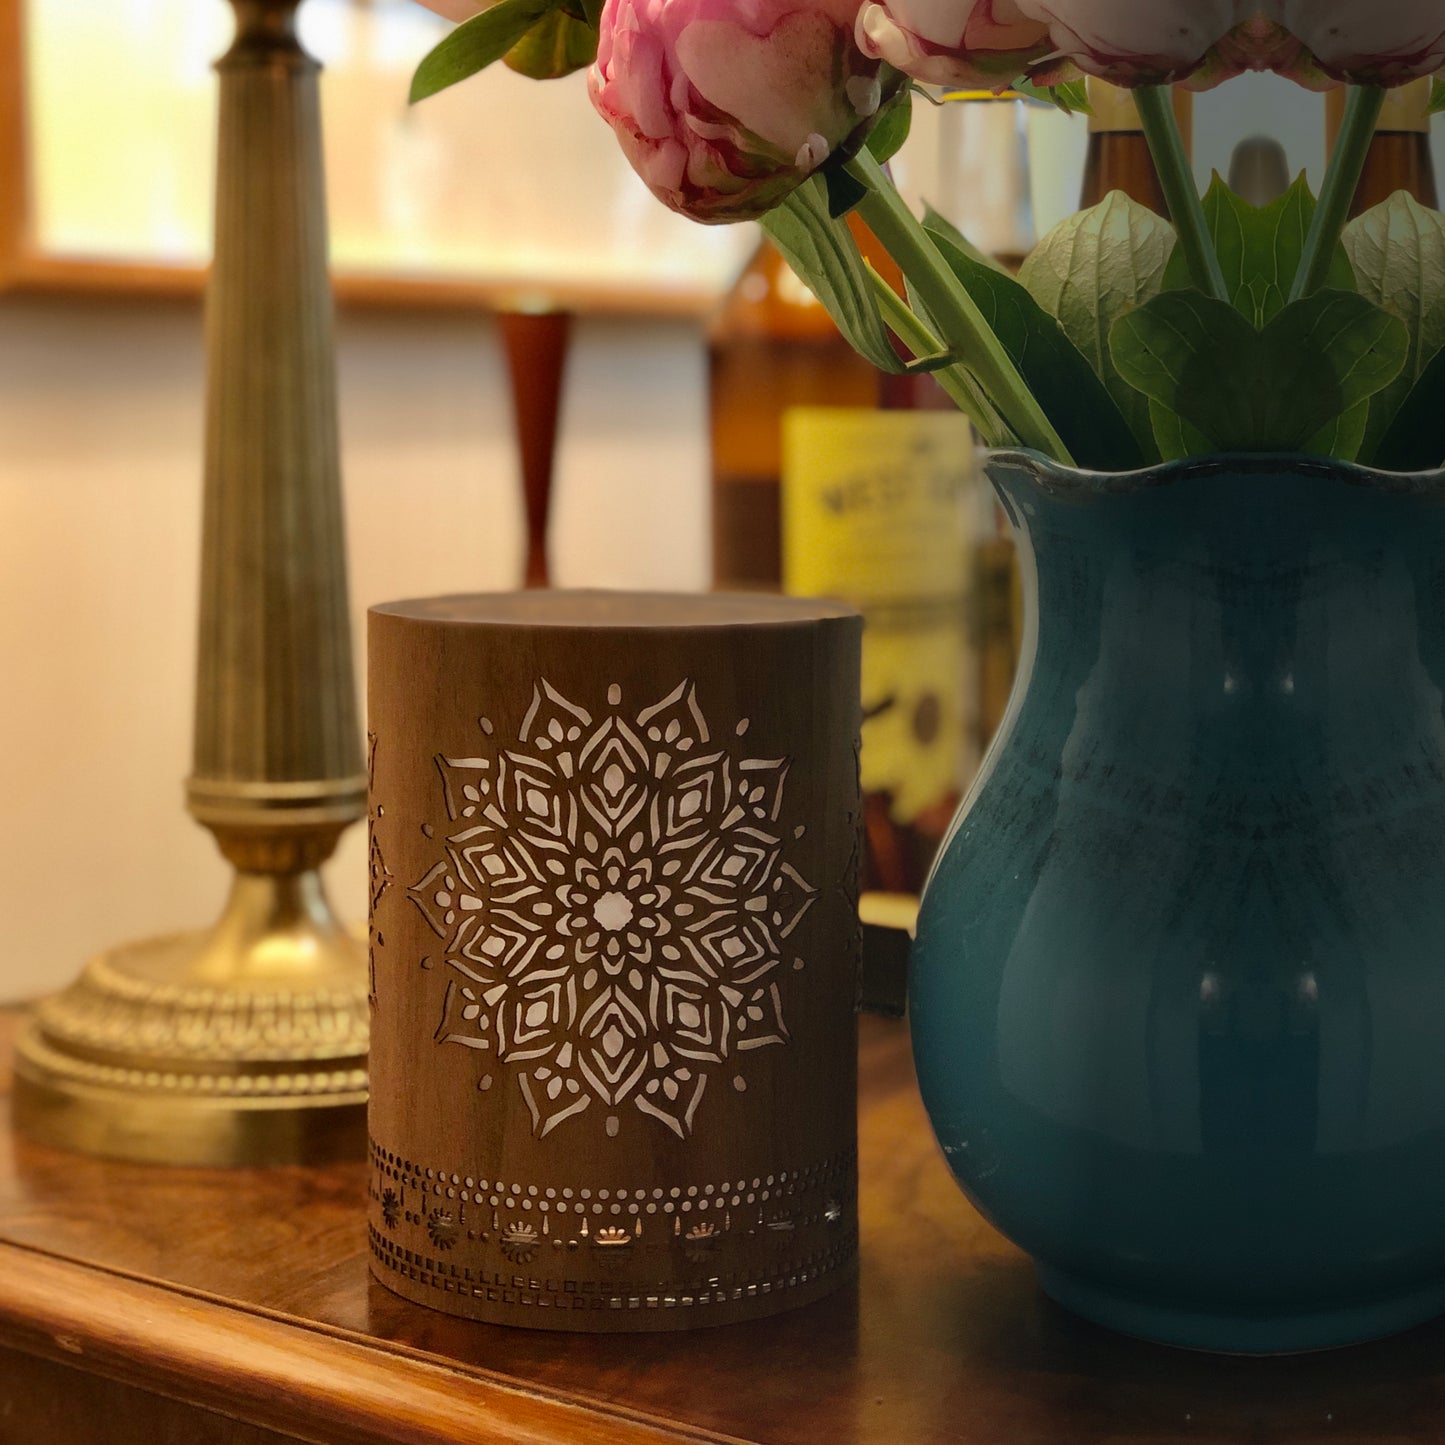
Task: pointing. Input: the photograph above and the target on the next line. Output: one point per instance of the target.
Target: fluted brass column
(247, 1043)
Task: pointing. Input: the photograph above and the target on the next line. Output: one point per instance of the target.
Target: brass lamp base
(247, 1044)
(242, 1045)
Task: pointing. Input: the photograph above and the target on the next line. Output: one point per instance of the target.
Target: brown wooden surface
(268, 1317)
(26, 272)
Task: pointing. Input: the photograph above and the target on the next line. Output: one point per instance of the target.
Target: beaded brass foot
(242, 1045)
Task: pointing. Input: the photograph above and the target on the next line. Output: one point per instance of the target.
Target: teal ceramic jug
(1178, 991)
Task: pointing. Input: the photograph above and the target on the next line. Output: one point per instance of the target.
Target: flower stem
(1176, 177)
(1342, 180)
(956, 382)
(953, 311)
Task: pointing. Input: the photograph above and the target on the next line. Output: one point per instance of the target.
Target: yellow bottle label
(876, 513)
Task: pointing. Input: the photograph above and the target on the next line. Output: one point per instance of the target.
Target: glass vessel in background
(773, 346)
(876, 513)
(1400, 157)
(983, 173)
(1259, 170)
(1118, 157)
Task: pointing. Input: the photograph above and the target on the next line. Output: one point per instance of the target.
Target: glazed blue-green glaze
(1178, 994)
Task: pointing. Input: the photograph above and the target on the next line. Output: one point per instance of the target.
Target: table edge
(278, 1372)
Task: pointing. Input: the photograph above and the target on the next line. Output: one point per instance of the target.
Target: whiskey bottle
(1400, 158)
(772, 347)
(1118, 157)
(875, 513)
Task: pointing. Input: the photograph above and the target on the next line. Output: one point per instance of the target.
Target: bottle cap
(1112, 108)
(1407, 109)
(1259, 170)
(1115, 111)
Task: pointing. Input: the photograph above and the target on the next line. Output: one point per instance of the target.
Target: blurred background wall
(100, 437)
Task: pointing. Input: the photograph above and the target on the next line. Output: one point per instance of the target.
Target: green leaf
(475, 44)
(1398, 252)
(1090, 271)
(1437, 97)
(1072, 396)
(1177, 439)
(1072, 97)
(941, 228)
(555, 46)
(1344, 437)
(892, 126)
(825, 256)
(1260, 249)
(1415, 441)
(1260, 391)
(844, 190)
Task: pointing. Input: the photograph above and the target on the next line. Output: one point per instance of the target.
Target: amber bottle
(772, 347)
(776, 357)
(1400, 158)
(1118, 157)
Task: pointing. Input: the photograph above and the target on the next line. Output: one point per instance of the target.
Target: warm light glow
(500, 178)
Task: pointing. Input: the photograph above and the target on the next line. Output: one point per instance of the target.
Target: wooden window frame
(26, 269)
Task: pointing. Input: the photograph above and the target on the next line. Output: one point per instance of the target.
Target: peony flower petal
(813, 152)
(981, 44)
(724, 106)
(865, 94)
(639, 88)
(769, 82)
(1361, 41)
(1131, 43)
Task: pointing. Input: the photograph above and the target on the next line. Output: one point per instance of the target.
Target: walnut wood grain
(39, 1401)
(250, 1366)
(945, 1340)
(717, 1148)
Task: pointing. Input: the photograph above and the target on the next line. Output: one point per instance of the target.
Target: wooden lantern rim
(620, 611)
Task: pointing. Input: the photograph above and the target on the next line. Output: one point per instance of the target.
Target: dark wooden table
(173, 1306)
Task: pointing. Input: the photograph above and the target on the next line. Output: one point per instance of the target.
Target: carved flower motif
(614, 905)
(701, 1241)
(442, 1228)
(390, 1208)
(519, 1242)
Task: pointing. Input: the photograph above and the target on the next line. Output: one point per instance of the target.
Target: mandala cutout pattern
(614, 907)
(379, 875)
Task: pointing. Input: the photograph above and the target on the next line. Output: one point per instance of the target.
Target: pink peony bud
(985, 44)
(725, 106)
(1364, 42)
(1145, 42)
